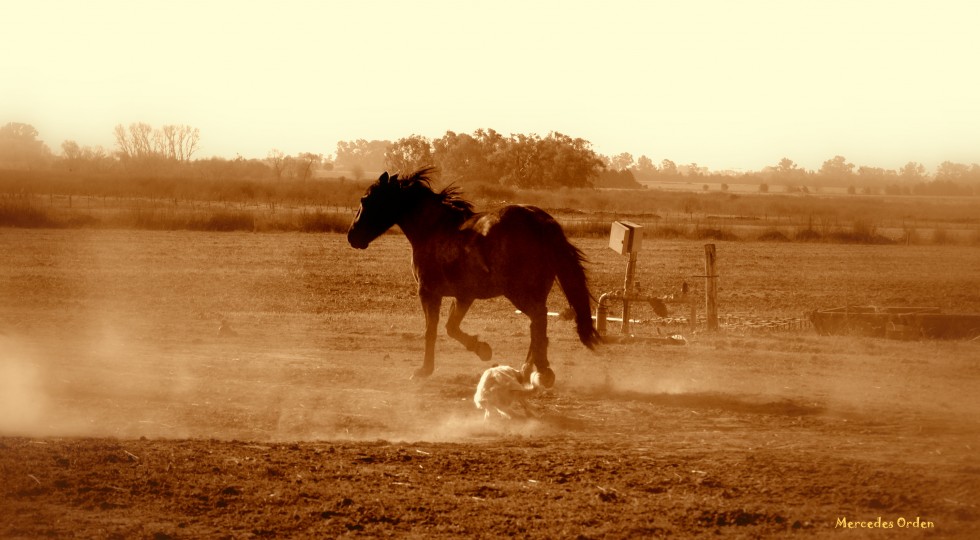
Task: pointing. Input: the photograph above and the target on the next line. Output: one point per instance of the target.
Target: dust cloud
(117, 375)
(106, 378)
(23, 401)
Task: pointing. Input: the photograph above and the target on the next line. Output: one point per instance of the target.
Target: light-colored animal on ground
(501, 389)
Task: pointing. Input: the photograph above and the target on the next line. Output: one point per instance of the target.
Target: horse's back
(516, 223)
(516, 241)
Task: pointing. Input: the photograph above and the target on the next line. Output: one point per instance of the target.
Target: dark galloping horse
(514, 251)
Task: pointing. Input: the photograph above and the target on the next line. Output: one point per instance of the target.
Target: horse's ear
(383, 179)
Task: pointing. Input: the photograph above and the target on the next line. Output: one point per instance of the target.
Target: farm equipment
(896, 322)
(626, 238)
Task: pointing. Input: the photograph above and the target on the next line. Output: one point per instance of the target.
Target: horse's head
(381, 206)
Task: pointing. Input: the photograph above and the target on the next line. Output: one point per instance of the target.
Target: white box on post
(625, 237)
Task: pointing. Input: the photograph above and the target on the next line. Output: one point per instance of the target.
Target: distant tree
(942, 188)
(530, 161)
(763, 188)
(493, 148)
(786, 172)
(21, 149)
(952, 172)
(461, 159)
(621, 162)
(836, 169)
(621, 179)
(137, 143)
(238, 169)
(76, 158)
(362, 154)
(645, 165)
(786, 166)
(668, 168)
(693, 170)
(179, 142)
(568, 161)
(913, 172)
(277, 162)
(898, 189)
(875, 175)
(305, 163)
(408, 154)
(974, 177)
(72, 152)
(522, 161)
(144, 149)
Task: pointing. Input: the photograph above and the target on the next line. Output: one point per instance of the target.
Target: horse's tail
(571, 276)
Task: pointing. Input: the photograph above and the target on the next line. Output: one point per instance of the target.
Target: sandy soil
(124, 413)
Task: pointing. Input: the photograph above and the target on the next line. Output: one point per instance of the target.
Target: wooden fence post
(711, 287)
(692, 318)
(627, 290)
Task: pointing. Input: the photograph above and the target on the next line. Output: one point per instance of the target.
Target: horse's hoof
(484, 351)
(526, 371)
(546, 377)
(421, 374)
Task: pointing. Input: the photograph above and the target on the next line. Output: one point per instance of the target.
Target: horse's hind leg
(457, 311)
(537, 354)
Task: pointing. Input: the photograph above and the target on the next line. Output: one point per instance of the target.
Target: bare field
(124, 413)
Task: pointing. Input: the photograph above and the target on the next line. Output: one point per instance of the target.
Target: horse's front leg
(457, 311)
(537, 354)
(431, 303)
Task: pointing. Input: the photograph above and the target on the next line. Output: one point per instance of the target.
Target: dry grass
(67, 201)
(17, 213)
(166, 215)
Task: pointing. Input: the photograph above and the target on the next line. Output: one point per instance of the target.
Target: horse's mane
(451, 196)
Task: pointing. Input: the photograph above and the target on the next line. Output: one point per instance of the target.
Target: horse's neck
(426, 222)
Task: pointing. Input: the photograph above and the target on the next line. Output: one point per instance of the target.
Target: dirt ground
(124, 413)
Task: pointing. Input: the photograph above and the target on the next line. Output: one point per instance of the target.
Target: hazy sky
(725, 84)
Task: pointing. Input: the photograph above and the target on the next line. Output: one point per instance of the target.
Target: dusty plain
(124, 413)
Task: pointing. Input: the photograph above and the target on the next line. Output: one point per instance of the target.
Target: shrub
(716, 234)
(324, 222)
(665, 232)
(143, 218)
(492, 193)
(862, 232)
(81, 221)
(229, 221)
(24, 214)
(773, 235)
(586, 228)
(808, 235)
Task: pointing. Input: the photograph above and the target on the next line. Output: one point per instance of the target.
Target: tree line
(522, 161)
(486, 157)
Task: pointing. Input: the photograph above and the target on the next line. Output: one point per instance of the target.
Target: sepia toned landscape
(191, 348)
(129, 412)
(197, 341)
